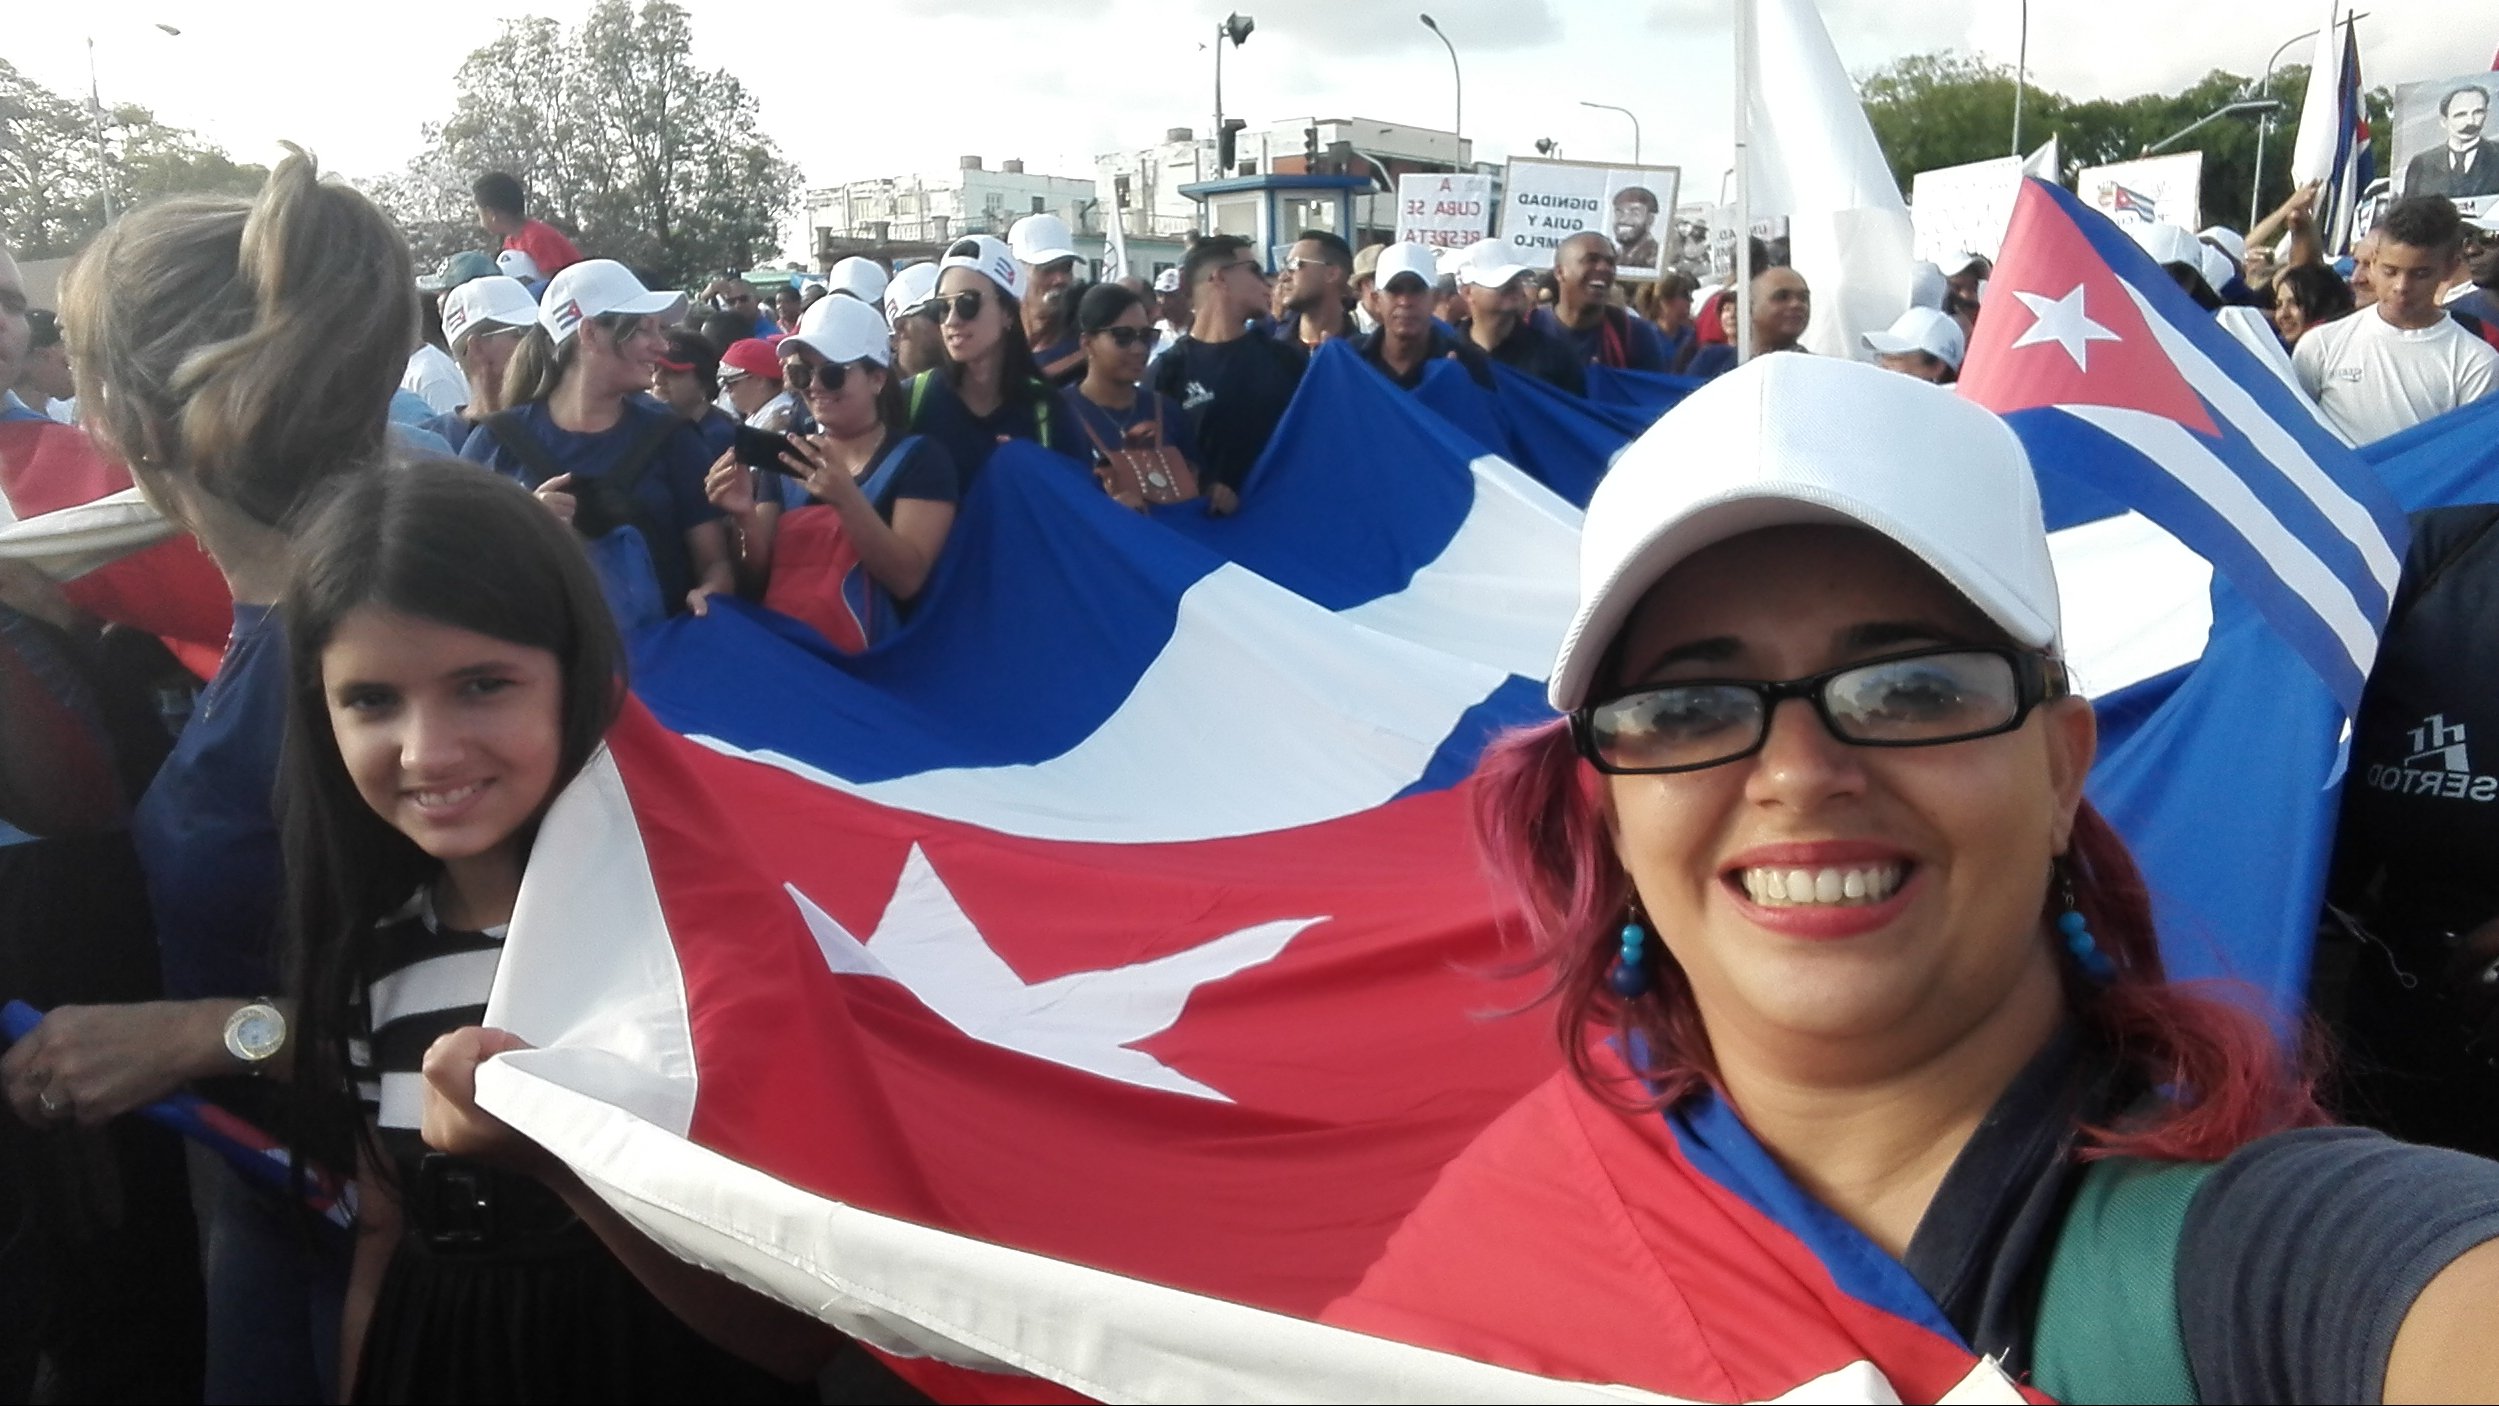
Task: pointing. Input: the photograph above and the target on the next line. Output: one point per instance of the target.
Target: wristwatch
(255, 1034)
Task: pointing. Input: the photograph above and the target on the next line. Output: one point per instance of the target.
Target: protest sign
(2442, 142)
(1546, 202)
(1692, 253)
(1963, 209)
(2153, 190)
(1443, 210)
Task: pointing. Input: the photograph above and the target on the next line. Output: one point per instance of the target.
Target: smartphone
(762, 449)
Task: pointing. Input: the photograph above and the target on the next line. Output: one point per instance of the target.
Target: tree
(620, 140)
(1944, 109)
(53, 181)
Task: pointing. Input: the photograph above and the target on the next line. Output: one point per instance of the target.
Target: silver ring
(2490, 975)
(52, 1107)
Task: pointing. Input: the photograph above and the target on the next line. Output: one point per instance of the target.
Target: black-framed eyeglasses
(965, 306)
(1923, 698)
(825, 376)
(1126, 337)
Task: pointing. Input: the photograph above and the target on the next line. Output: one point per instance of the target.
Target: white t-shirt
(433, 375)
(2373, 379)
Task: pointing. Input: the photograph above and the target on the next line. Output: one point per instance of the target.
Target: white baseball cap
(1040, 239)
(1168, 281)
(1921, 330)
(516, 263)
(2168, 243)
(1399, 259)
(2228, 241)
(863, 279)
(1926, 285)
(1486, 263)
(1813, 439)
(1962, 260)
(595, 288)
(843, 330)
(988, 258)
(491, 304)
(906, 291)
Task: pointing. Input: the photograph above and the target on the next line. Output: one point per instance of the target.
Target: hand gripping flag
(2172, 460)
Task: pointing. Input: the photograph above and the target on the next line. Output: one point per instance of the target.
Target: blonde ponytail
(247, 348)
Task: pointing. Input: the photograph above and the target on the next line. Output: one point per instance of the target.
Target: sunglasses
(1920, 699)
(801, 377)
(1297, 265)
(1126, 337)
(965, 305)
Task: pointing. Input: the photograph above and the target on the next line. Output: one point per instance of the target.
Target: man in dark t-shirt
(1409, 340)
(1585, 316)
(1497, 302)
(1233, 385)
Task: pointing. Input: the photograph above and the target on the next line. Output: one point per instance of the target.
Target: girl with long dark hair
(988, 389)
(454, 665)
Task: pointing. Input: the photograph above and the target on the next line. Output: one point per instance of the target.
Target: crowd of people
(1885, 927)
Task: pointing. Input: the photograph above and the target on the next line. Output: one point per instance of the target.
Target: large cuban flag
(2201, 516)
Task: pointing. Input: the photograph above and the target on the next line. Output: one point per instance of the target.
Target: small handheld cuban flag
(2113, 377)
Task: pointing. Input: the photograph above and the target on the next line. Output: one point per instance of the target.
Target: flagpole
(1742, 272)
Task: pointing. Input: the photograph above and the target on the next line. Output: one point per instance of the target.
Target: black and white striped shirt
(421, 981)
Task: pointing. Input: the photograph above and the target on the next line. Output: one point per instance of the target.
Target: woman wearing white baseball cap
(626, 471)
(987, 390)
(908, 296)
(1826, 909)
(853, 558)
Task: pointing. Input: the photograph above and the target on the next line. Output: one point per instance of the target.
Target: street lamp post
(1235, 27)
(1457, 120)
(2021, 76)
(2256, 183)
(95, 123)
(1635, 124)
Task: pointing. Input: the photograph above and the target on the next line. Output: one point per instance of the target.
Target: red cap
(752, 357)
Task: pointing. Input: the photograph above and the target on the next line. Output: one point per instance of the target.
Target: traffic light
(1225, 143)
(1310, 148)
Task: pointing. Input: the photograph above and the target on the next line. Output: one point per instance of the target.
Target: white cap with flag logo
(863, 279)
(1790, 440)
(988, 258)
(595, 288)
(491, 304)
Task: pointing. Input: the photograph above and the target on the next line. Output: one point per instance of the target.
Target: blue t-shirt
(1710, 360)
(207, 829)
(969, 439)
(719, 430)
(1111, 427)
(452, 427)
(1618, 338)
(669, 494)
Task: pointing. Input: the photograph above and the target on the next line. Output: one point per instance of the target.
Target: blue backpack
(614, 528)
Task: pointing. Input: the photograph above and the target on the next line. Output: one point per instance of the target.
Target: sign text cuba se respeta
(1546, 202)
(1443, 210)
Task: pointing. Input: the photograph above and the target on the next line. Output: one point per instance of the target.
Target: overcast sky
(1058, 81)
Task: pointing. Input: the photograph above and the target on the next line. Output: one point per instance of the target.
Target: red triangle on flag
(2059, 328)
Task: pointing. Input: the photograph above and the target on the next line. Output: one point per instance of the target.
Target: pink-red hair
(2223, 1077)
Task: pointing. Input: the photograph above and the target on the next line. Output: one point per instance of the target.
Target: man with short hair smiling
(1497, 303)
(1322, 270)
(1782, 309)
(1585, 317)
(1408, 341)
(2403, 360)
(1042, 244)
(2465, 165)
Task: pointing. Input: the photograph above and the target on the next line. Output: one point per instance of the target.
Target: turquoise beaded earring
(1629, 976)
(2079, 943)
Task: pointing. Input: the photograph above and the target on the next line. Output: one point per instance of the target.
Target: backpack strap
(630, 466)
(919, 397)
(2107, 1327)
(513, 434)
(895, 458)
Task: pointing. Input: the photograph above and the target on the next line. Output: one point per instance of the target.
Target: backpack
(614, 529)
(816, 575)
(2107, 1327)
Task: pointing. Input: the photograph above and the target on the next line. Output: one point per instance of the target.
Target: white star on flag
(1085, 1020)
(2062, 321)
